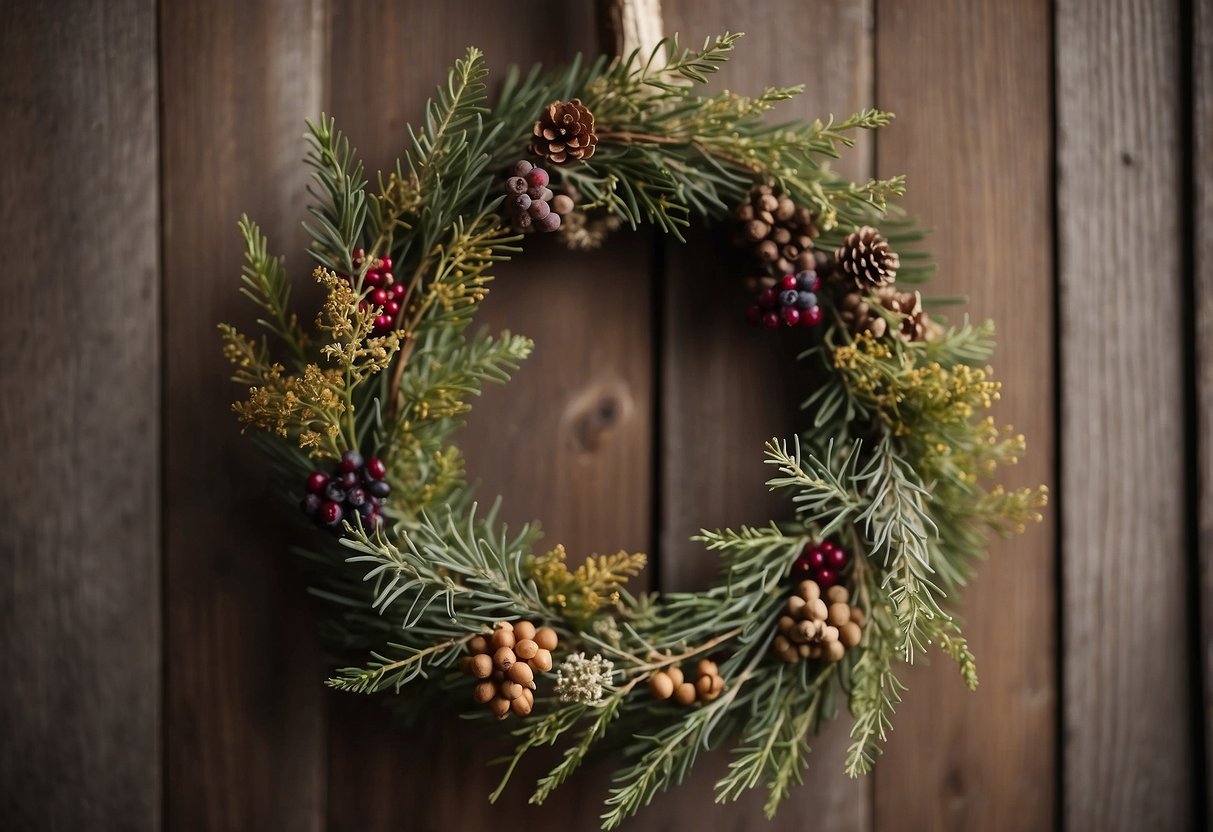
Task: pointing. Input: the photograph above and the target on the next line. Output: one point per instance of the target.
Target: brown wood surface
(1122, 387)
(244, 722)
(80, 420)
(970, 84)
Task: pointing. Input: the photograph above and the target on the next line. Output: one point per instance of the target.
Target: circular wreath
(887, 484)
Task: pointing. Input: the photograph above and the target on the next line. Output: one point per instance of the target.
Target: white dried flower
(606, 629)
(581, 680)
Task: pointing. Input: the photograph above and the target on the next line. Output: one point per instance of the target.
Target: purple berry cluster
(529, 201)
(791, 302)
(353, 492)
(822, 562)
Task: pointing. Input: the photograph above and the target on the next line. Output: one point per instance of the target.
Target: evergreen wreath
(888, 485)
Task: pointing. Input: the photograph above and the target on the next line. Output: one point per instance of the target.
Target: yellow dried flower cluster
(582, 592)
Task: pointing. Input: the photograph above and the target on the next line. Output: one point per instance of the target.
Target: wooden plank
(727, 388)
(568, 441)
(970, 84)
(245, 734)
(1202, 271)
(1122, 431)
(80, 599)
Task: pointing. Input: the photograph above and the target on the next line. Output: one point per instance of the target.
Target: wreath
(889, 484)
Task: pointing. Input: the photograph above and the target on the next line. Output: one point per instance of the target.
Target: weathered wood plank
(1202, 224)
(970, 83)
(727, 388)
(567, 441)
(80, 597)
(245, 731)
(1128, 745)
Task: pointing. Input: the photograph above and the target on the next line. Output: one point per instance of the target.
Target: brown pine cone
(915, 325)
(564, 131)
(866, 258)
(780, 232)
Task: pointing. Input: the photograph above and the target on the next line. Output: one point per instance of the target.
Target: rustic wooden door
(160, 663)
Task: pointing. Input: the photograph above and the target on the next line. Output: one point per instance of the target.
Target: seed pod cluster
(505, 664)
(530, 203)
(672, 683)
(779, 231)
(816, 627)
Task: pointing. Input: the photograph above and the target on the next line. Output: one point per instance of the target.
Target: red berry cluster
(386, 296)
(821, 562)
(353, 492)
(792, 301)
(529, 201)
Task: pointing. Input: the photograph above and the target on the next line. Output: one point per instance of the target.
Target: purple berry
(311, 504)
(357, 496)
(330, 513)
(379, 488)
(334, 492)
(316, 481)
(522, 168)
(350, 479)
(351, 460)
(537, 178)
(515, 185)
(806, 299)
(807, 281)
(550, 222)
(539, 209)
(521, 202)
(788, 297)
(375, 468)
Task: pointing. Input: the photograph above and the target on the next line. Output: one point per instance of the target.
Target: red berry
(397, 291)
(817, 558)
(537, 178)
(316, 481)
(753, 314)
(373, 279)
(811, 316)
(791, 315)
(801, 566)
(383, 322)
(836, 558)
(385, 265)
(391, 307)
(826, 577)
(379, 297)
(359, 253)
(330, 513)
(789, 281)
(767, 298)
(770, 320)
(376, 468)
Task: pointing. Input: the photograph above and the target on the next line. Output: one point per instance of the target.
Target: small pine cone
(866, 258)
(564, 131)
(915, 324)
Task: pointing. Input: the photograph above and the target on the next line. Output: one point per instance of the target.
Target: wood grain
(970, 84)
(1123, 485)
(80, 593)
(245, 708)
(568, 440)
(726, 388)
(1202, 271)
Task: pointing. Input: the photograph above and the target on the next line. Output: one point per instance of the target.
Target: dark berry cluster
(822, 562)
(792, 301)
(354, 492)
(386, 296)
(530, 203)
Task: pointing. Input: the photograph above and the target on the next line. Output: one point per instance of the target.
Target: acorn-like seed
(676, 675)
(857, 616)
(500, 707)
(794, 606)
(707, 667)
(838, 595)
(525, 649)
(817, 610)
(781, 644)
(482, 665)
(809, 591)
(834, 651)
(562, 204)
(503, 658)
(524, 630)
(850, 634)
(786, 623)
(478, 644)
(502, 638)
(803, 633)
(717, 684)
(839, 613)
(546, 638)
(684, 694)
(703, 685)
(829, 635)
(661, 686)
(521, 673)
(542, 661)
(483, 692)
(522, 706)
(511, 690)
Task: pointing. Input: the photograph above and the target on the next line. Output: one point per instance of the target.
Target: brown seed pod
(661, 686)
(522, 706)
(546, 638)
(481, 665)
(781, 644)
(834, 651)
(478, 644)
(805, 632)
(817, 610)
(502, 638)
(525, 649)
(813, 652)
(483, 692)
(706, 667)
(503, 658)
(829, 635)
(542, 661)
(500, 707)
(717, 684)
(808, 591)
(794, 606)
(857, 616)
(786, 623)
(511, 690)
(676, 675)
(684, 694)
(850, 634)
(465, 665)
(839, 613)
(837, 595)
(521, 673)
(524, 630)
(703, 686)
(562, 204)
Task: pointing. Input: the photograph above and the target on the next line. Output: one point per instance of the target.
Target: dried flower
(581, 680)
